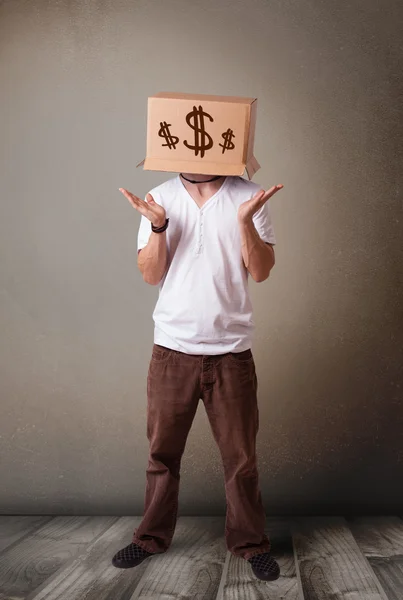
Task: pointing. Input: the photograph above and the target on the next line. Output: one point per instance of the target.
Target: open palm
(150, 209)
(247, 209)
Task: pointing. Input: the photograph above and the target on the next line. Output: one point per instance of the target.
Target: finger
(128, 194)
(258, 195)
(266, 194)
(134, 200)
(275, 188)
(269, 193)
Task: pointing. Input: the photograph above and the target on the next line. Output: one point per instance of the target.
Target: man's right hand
(151, 210)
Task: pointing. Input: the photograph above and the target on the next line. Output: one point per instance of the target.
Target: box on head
(201, 133)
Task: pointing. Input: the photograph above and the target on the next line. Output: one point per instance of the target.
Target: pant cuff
(142, 545)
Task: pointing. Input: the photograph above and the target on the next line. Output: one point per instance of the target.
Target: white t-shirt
(204, 305)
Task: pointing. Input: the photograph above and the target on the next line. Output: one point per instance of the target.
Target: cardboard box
(201, 133)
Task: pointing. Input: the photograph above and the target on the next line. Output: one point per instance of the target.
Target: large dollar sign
(171, 140)
(228, 144)
(201, 143)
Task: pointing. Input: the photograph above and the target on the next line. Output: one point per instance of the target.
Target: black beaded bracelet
(160, 229)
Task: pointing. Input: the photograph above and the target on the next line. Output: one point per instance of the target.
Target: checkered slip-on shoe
(265, 567)
(130, 556)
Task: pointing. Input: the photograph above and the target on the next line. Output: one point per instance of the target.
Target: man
(200, 238)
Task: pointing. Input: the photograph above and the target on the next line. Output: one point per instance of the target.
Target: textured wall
(75, 315)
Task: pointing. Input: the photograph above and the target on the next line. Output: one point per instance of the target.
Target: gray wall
(75, 315)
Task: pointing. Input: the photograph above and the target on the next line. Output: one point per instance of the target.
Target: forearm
(152, 260)
(258, 256)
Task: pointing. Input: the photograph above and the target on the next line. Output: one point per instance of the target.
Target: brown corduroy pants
(227, 384)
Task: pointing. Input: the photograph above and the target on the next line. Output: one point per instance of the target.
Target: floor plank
(330, 563)
(381, 541)
(193, 565)
(241, 583)
(28, 563)
(15, 527)
(91, 575)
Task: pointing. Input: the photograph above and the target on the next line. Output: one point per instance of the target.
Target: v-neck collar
(208, 202)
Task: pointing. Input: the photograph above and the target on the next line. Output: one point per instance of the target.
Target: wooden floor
(332, 558)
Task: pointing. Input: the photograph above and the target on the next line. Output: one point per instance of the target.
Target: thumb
(150, 199)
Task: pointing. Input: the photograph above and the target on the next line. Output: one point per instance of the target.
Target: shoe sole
(265, 577)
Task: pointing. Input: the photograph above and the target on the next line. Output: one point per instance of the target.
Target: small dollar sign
(228, 144)
(200, 144)
(164, 132)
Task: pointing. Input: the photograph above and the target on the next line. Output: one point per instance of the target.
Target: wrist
(160, 229)
(245, 220)
(159, 223)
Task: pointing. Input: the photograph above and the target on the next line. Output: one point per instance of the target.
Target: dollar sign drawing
(164, 132)
(200, 144)
(228, 144)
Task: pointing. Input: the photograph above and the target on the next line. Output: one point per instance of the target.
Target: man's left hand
(247, 209)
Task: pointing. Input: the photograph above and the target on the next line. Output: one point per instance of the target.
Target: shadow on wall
(331, 388)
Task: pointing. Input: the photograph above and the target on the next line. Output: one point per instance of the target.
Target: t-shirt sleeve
(143, 233)
(263, 223)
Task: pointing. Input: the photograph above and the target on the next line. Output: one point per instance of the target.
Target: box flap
(157, 165)
(252, 166)
(207, 168)
(206, 97)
